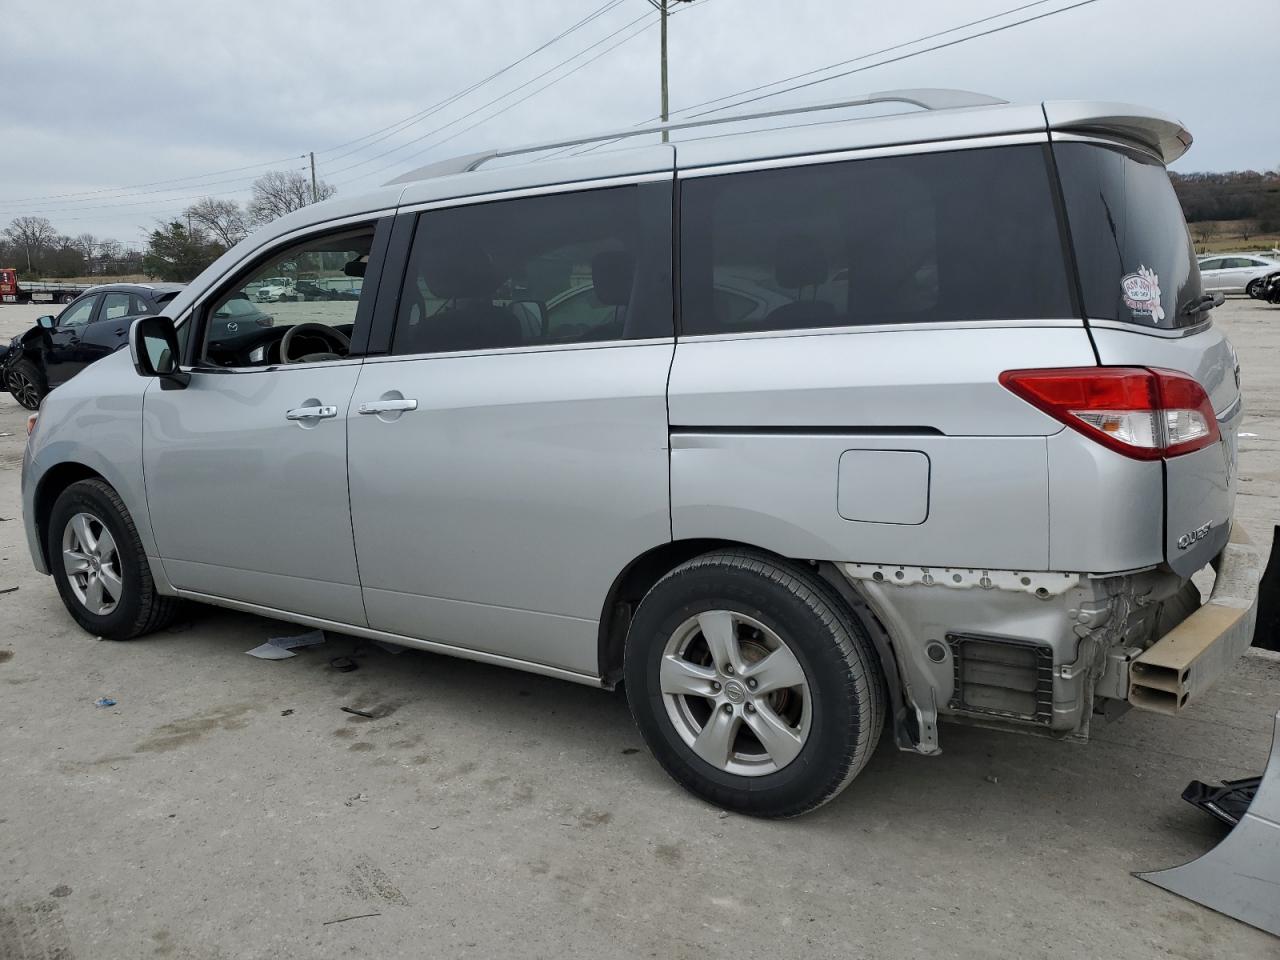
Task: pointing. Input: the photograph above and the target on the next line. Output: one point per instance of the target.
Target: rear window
(965, 235)
(1137, 263)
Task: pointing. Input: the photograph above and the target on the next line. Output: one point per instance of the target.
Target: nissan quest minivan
(797, 432)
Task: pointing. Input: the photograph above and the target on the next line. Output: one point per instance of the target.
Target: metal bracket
(1042, 585)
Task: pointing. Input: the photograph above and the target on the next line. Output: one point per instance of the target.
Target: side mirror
(153, 345)
(45, 323)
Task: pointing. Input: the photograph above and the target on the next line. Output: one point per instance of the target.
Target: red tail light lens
(1142, 413)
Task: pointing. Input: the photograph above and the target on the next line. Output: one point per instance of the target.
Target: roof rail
(930, 98)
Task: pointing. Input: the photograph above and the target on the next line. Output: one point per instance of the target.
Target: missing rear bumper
(1179, 667)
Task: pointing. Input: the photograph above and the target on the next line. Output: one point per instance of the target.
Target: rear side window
(581, 267)
(116, 305)
(1137, 262)
(966, 235)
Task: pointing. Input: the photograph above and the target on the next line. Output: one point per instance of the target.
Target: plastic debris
(391, 648)
(281, 648)
(104, 702)
(358, 798)
(358, 713)
(287, 713)
(9, 590)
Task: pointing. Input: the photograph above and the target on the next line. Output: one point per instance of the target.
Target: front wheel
(1254, 289)
(100, 566)
(27, 383)
(753, 684)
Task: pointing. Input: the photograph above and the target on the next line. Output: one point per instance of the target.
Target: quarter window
(319, 283)
(967, 235)
(582, 267)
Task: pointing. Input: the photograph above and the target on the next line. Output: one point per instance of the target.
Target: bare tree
(222, 218)
(31, 235)
(86, 244)
(278, 192)
(110, 249)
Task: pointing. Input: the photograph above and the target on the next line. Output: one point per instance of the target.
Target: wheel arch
(56, 479)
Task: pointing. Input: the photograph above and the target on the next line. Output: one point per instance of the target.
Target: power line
(905, 56)
(404, 123)
(864, 56)
(409, 121)
(503, 96)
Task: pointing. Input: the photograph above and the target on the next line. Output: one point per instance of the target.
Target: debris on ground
(1227, 802)
(358, 798)
(104, 702)
(281, 648)
(9, 590)
(991, 778)
(287, 713)
(358, 916)
(391, 648)
(358, 713)
(343, 664)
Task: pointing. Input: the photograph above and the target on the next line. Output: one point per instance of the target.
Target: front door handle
(312, 413)
(388, 406)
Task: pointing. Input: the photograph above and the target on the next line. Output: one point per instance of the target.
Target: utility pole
(313, 176)
(662, 9)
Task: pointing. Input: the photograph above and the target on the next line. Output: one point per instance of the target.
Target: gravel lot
(227, 808)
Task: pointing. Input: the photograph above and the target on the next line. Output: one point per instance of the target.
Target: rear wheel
(753, 684)
(67, 298)
(27, 383)
(99, 564)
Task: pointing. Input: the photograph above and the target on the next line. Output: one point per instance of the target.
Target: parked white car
(1240, 273)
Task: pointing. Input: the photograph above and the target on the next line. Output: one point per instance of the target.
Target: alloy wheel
(735, 693)
(23, 389)
(92, 562)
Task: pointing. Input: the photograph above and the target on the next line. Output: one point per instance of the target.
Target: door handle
(311, 413)
(388, 406)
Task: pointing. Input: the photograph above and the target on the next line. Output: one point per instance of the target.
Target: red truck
(11, 291)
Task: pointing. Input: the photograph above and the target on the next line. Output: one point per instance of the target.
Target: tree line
(177, 249)
(1237, 195)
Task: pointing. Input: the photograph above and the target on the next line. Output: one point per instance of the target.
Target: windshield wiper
(1203, 304)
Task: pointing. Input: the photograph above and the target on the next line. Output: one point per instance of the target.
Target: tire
(1254, 289)
(757, 605)
(136, 608)
(27, 383)
(67, 298)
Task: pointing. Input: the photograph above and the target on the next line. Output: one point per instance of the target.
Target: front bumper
(1180, 666)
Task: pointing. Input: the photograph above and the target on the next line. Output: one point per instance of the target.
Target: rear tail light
(1142, 413)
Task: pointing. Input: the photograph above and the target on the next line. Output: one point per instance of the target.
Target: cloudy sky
(113, 115)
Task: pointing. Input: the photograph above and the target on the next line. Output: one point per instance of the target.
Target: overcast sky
(100, 96)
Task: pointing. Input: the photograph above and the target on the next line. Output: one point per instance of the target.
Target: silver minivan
(798, 433)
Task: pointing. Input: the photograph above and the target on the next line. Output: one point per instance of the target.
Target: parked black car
(93, 325)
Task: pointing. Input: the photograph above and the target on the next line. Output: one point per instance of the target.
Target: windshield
(1136, 260)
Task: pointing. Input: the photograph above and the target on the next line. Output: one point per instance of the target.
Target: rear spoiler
(1161, 134)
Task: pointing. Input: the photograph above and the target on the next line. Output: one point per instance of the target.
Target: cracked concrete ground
(227, 807)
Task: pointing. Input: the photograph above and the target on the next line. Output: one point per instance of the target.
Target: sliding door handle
(312, 413)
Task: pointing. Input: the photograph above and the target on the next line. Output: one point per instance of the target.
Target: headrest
(612, 273)
(801, 261)
(454, 269)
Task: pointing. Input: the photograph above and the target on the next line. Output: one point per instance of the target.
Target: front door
(246, 468)
(62, 359)
(509, 456)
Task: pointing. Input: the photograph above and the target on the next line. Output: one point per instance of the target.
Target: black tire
(1254, 288)
(844, 678)
(67, 298)
(139, 609)
(27, 383)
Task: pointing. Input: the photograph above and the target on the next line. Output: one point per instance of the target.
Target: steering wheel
(332, 336)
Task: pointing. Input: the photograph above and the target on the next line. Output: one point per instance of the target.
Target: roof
(147, 289)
